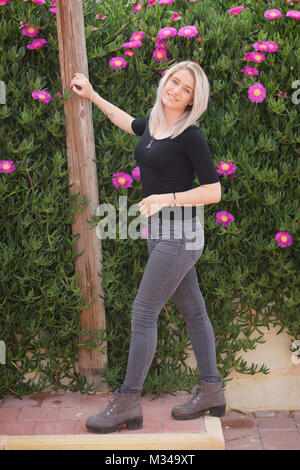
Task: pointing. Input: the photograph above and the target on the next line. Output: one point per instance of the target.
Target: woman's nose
(176, 90)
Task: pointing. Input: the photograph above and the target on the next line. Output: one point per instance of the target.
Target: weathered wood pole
(83, 178)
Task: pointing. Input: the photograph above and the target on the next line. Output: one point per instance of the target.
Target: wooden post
(83, 177)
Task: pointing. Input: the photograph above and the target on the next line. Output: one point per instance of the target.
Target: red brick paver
(59, 412)
(262, 430)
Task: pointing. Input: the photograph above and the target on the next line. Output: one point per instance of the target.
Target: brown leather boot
(122, 410)
(208, 396)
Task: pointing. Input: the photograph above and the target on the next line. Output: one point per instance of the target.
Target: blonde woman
(171, 149)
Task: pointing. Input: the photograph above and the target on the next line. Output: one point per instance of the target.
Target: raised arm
(83, 88)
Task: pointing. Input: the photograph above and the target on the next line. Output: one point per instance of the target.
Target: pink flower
(294, 14)
(129, 52)
(188, 31)
(4, 2)
(255, 56)
(250, 71)
(224, 218)
(272, 14)
(199, 38)
(261, 46)
(256, 93)
(39, 2)
(226, 168)
(138, 7)
(137, 36)
(122, 180)
(7, 166)
(272, 46)
(136, 173)
(100, 16)
(235, 10)
(283, 239)
(175, 16)
(52, 10)
(161, 43)
(30, 31)
(117, 63)
(167, 32)
(282, 94)
(144, 232)
(165, 2)
(132, 44)
(42, 96)
(151, 2)
(159, 53)
(36, 44)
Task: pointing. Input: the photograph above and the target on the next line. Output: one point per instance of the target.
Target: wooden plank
(83, 178)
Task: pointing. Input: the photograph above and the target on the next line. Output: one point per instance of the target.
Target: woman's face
(178, 92)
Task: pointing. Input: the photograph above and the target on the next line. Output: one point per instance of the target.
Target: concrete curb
(211, 439)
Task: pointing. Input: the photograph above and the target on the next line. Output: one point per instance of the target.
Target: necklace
(150, 143)
(153, 139)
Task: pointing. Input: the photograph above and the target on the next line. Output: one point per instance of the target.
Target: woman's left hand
(152, 204)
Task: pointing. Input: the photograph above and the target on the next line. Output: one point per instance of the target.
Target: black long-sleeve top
(169, 165)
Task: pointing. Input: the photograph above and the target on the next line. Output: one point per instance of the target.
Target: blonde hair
(192, 112)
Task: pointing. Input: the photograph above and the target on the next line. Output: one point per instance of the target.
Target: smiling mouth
(172, 97)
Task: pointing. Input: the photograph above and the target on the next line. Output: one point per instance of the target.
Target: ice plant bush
(249, 234)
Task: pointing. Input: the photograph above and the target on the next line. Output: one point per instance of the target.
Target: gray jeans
(170, 273)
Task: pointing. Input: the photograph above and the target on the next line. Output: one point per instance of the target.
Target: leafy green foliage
(247, 280)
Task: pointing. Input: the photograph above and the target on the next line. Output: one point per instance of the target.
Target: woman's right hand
(81, 86)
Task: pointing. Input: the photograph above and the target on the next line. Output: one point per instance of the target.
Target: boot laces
(197, 393)
(111, 405)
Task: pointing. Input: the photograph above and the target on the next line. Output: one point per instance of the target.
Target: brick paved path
(60, 412)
